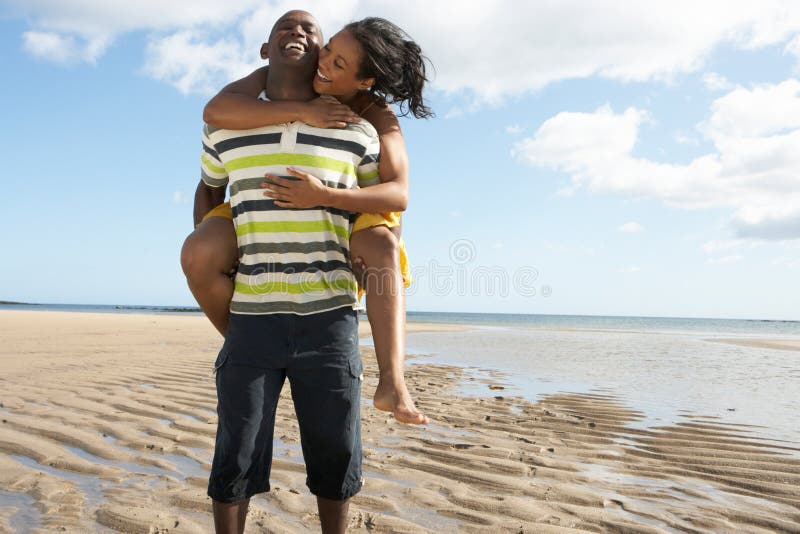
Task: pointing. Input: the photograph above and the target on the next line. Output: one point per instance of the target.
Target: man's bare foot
(397, 400)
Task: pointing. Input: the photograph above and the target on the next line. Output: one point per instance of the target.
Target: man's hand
(327, 112)
(305, 192)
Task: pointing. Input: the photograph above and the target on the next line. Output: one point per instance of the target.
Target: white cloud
(172, 59)
(710, 247)
(786, 261)
(631, 227)
(514, 129)
(755, 168)
(101, 17)
(630, 269)
(793, 47)
(733, 258)
(716, 82)
(51, 46)
(683, 139)
(455, 112)
(551, 41)
(63, 48)
(193, 62)
(179, 197)
(536, 43)
(758, 112)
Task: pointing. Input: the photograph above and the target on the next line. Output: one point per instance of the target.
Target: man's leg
(247, 396)
(325, 375)
(207, 257)
(333, 515)
(229, 518)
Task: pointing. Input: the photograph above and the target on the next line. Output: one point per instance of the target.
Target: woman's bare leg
(207, 257)
(378, 248)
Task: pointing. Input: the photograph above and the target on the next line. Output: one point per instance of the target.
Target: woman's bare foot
(396, 399)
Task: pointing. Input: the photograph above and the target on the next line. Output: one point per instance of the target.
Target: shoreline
(108, 421)
(776, 342)
(761, 343)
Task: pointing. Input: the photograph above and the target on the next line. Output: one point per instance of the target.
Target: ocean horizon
(755, 326)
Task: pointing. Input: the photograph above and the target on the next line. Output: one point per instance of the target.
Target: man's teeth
(296, 46)
(324, 78)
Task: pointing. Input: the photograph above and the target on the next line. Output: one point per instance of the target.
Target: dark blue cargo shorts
(319, 355)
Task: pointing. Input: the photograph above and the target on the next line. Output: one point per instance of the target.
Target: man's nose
(298, 30)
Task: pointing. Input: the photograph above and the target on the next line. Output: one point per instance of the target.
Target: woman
(363, 68)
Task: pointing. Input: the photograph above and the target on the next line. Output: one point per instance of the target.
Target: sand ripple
(108, 424)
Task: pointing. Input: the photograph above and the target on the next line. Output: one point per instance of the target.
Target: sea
(669, 368)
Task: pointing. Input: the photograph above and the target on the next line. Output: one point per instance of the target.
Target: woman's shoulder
(374, 109)
(366, 101)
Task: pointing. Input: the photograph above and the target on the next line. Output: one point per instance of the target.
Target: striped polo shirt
(291, 260)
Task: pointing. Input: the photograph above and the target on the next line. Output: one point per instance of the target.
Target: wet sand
(364, 329)
(779, 344)
(108, 424)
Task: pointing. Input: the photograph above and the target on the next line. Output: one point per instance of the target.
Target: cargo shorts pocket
(356, 367)
(222, 357)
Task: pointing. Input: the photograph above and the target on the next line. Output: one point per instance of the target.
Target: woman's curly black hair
(395, 61)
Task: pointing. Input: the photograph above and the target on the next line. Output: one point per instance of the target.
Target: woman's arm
(392, 193)
(237, 107)
(308, 191)
(389, 195)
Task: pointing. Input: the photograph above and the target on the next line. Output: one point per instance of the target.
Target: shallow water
(26, 517)
(666, 375)
(90, 486)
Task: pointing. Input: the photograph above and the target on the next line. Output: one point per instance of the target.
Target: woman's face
(338, 65)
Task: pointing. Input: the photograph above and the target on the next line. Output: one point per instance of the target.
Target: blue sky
(622, 161)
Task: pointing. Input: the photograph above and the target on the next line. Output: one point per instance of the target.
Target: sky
(604, 158)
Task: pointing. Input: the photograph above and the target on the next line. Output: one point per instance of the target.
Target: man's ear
(265, 51)
(366, 83)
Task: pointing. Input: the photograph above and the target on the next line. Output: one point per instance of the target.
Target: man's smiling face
(295, 40)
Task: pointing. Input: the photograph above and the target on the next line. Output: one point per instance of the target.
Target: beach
(108, 424)
(781, 344)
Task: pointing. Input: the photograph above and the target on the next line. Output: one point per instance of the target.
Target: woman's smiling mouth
(322, 77)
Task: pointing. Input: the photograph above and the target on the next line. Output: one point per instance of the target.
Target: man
(292, 311)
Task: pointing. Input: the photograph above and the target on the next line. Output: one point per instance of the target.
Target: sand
(364, 329)
(108, 422)
(779, 344)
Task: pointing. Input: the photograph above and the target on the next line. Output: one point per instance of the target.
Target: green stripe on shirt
(363, 176)
(291, 226)
(282, 158)
(311, 286)
(211, 166)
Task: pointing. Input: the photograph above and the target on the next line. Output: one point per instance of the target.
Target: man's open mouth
(295, 45)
